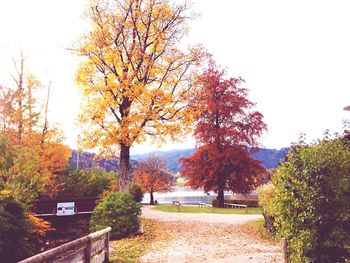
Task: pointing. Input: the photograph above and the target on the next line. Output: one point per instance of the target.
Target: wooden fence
(93, 248)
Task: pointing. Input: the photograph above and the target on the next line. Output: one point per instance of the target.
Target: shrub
(215, 202)
(266, 194)
(119, 211)
(136, 192)
(14, 231)
(311, 204)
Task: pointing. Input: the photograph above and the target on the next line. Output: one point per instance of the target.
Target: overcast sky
(294, 56)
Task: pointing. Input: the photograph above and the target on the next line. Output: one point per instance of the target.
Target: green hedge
(311, 203)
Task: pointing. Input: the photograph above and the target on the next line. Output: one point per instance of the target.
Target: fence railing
(91, 248)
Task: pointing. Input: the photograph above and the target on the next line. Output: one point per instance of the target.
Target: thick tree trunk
(151, 202)
(221, 198)
(124, 161)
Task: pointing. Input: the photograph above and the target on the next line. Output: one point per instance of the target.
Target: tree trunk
(151, 202)
(221, 198)
(124, 162)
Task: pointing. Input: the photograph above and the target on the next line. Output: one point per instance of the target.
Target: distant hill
(270, 158)
(171, 157)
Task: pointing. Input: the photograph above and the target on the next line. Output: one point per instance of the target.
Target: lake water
(187, 196)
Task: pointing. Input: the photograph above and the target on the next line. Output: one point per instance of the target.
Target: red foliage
(225, 128)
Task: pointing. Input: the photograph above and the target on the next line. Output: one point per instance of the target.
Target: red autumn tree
(151, 175)
(226, 128)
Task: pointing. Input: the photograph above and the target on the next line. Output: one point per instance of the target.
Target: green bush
(136, 192)
(119, 211)
(14, 232)
(311, 205)
(266, 194)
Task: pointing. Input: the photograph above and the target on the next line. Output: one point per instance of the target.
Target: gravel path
(148, 212)
(200, 237)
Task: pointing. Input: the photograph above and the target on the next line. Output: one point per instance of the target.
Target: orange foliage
(40, 227)
(25, 126)
(152, 177)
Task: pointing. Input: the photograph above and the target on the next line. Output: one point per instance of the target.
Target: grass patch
(214, 210)
(129, 250)
(258, 226)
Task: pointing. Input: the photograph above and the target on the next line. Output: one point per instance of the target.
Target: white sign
(65, 209)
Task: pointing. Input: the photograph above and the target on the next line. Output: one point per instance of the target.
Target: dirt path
(210, 238)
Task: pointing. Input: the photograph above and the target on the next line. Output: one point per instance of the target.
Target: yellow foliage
(134, 80)
(38, 148)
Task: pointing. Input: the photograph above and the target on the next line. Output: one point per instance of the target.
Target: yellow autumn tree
(135, 80)
(25, 124)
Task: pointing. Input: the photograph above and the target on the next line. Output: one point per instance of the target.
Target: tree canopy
(135, 80)
(226, 127)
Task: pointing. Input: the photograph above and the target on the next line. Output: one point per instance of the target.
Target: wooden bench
(204, 205)
(235, 205)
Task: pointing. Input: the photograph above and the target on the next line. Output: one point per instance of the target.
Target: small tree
(225, 128)
(151, 175)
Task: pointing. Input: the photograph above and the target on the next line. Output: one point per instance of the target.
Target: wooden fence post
(285, 250)
(107, 245)
(88, 251)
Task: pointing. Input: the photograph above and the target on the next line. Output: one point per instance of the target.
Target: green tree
(20, 172)
(86, 182)
(311, 205)
(14, 231)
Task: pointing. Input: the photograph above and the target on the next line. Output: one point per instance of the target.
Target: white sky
(294, 56)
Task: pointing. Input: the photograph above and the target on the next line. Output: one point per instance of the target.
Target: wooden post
(107, 246)
(285, 250)
(88, 251)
